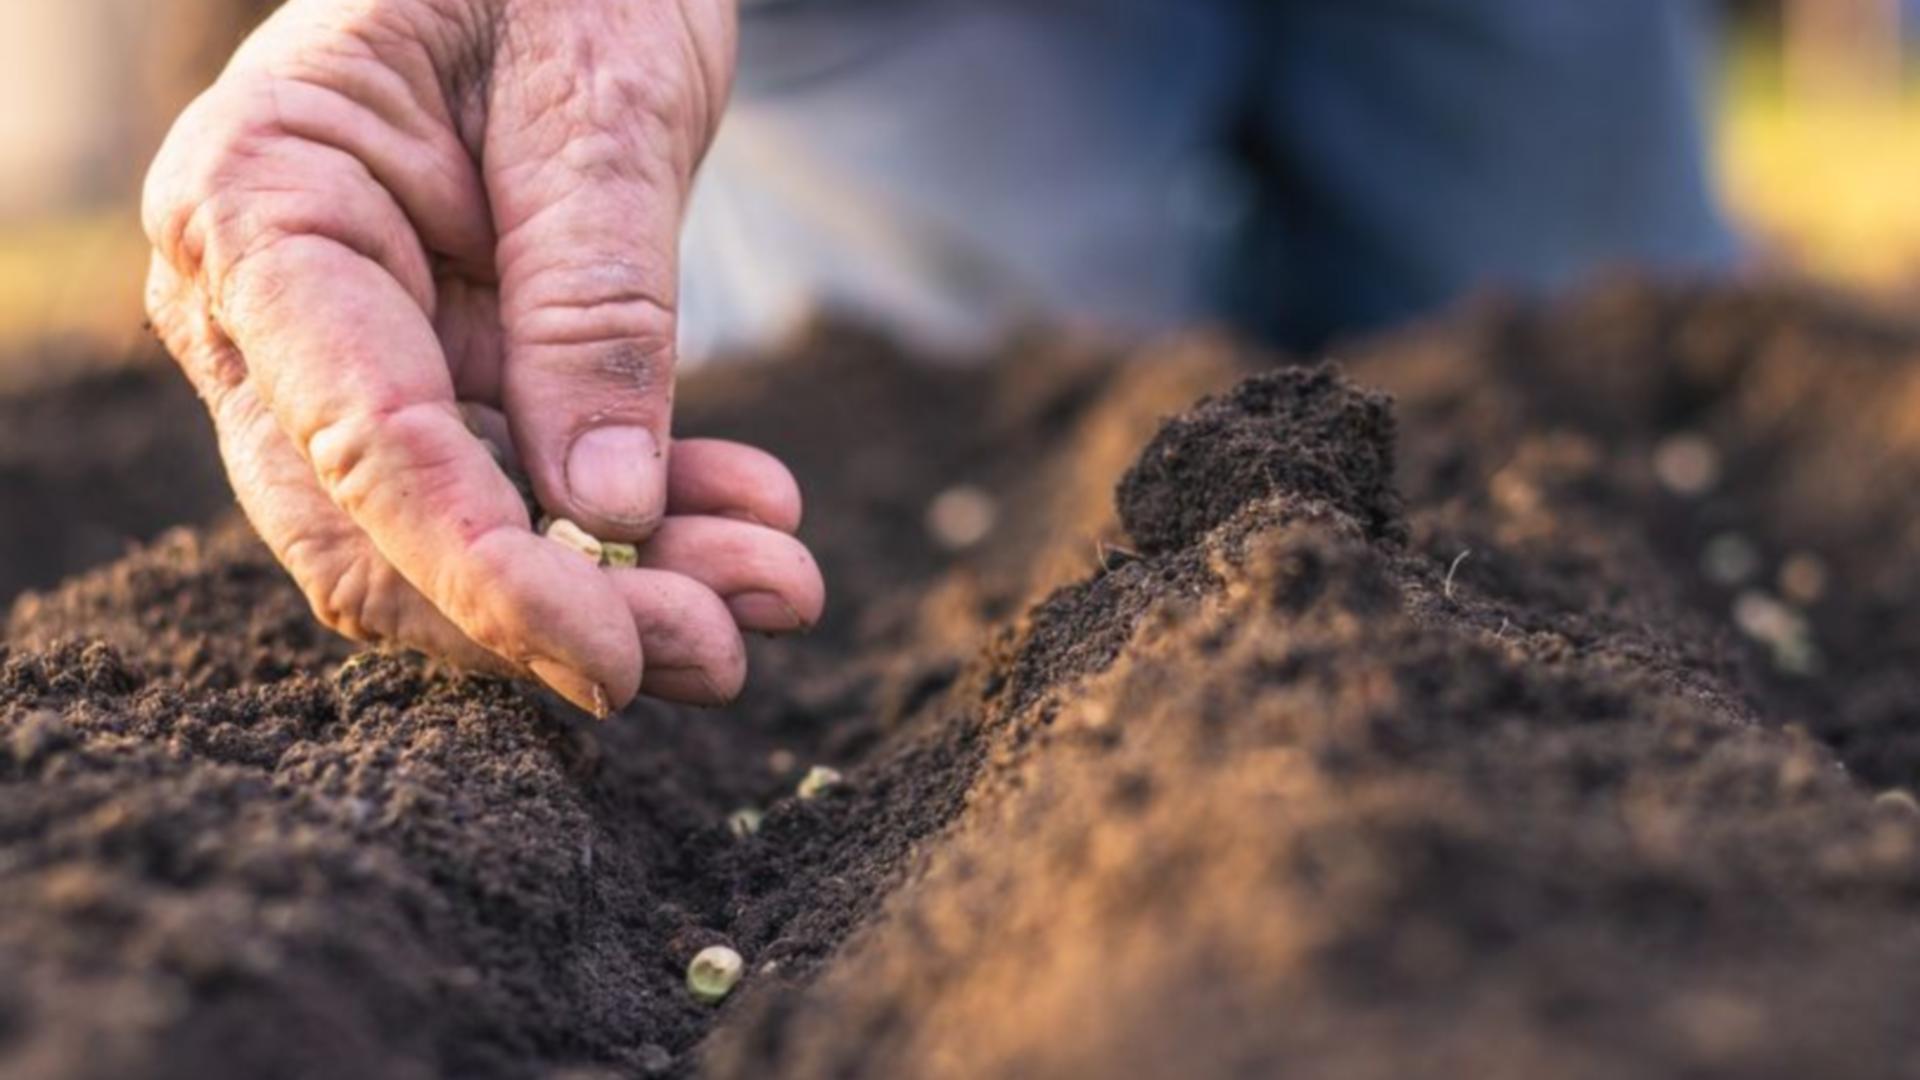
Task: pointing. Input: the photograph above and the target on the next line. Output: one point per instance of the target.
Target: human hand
(385, 209)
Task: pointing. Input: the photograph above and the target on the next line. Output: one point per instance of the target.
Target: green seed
(714, 973)
(619, 556)
(566, 532)
(817, 781)
(745, 821)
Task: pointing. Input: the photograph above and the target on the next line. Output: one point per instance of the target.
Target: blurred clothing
(951, 169)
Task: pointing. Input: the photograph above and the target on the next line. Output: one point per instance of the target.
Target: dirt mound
(1505, 773)
(1299, 433)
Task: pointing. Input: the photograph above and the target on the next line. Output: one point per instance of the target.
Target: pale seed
(744, 822)
(817, 781)
(714, 973)
(566, 532)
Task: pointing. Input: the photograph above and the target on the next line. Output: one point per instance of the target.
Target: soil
(93, 462)
(1406, 717)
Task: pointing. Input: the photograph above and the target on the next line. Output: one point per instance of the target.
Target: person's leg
(951, 168)
(1425, 147)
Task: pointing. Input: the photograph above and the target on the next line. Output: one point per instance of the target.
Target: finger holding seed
(768, 579)
(692, 645)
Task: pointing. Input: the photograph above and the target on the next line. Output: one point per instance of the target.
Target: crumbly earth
(1395, 719)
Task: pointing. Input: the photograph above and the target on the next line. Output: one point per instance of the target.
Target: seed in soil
(713, 974)
(961, 517)
(1803, 578)
(745, 821)
(1779, 627)
(1687, 465)
(817, 781)
(1898, 800)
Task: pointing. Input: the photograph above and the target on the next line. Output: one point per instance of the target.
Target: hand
(385, 209)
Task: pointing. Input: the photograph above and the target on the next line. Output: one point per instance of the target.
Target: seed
(619, 556)
(573, 536)
(1780, 628)
(962, 517)
(1803, 578)
(1765, 619)
(817, 781)
(714, 973)
(1687, 464)
(745, 821)
(1898, 800)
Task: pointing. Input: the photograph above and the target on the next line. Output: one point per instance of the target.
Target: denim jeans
(951, 169)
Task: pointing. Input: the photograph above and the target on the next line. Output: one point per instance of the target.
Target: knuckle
(202, 167)
(343, 451)
(607, 306)
(166, 313)
(468, 591)
(628, 90)
(338, 590)
(591, 154)
(252, 281)
(167, 193)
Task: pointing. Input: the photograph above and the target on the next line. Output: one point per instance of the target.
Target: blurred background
(1818, 103)
(87, 90)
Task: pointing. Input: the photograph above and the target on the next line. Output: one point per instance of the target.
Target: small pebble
(655, 1060)
(1729, 559)
(781, 762)
(961, 517)
(713, 974)
(1687, 464)
(817, 781)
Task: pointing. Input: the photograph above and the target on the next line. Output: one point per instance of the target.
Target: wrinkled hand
(386, 209)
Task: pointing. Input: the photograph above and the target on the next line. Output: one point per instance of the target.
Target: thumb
(590, 156)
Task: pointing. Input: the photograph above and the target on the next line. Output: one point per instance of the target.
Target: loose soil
(1382, 720)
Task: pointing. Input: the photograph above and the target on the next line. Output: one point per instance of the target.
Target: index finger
(352, 370)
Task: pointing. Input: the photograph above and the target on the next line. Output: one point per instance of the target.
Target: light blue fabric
(953, 168)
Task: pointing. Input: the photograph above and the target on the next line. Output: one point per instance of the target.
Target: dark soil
(1333, 761)
(91, 465)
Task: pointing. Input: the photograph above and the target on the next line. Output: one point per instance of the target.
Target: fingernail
(616, 474)
(765, 611)
(689, 685)
(583, 692)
